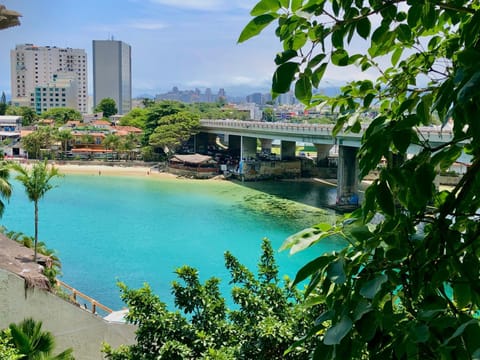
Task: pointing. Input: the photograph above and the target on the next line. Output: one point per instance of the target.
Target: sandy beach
(112, 169)
(90, 169)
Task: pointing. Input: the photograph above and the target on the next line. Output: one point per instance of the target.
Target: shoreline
(113, 170)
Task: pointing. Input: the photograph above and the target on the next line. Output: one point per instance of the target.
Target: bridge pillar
(266, 145)
(287, 150)
(323, 150)
(235, 145)
(249, 147)
(347, 176)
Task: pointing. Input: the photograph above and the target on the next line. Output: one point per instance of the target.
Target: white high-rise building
(34, 66)
(112, 73)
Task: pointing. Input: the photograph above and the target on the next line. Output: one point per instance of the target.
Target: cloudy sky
(184, 43)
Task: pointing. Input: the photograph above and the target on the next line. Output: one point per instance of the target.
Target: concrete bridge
(242, 136)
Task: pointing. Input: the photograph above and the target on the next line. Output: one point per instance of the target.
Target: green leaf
(325, 316)
(363, 27)
(303, 89)
(283, 77)
(313, 300)
(447, 156)
(285, 56)
(313, 266)
(396, 55)
(265, 6)
(367, 326)
(385, 198)
(296, 4)
(361, 233)
(402, 140)
(336, 333)
(404, 33)
(462, 294)
(336, 271)
(372, 287)
(428, 15)
(285, 3)
(337, 38)
(255, 26)
(318, 74)
(298, 40)
(304, 238)
(367, 100)
(414, 15)
(421, 333)
(461, 329)
(363, 307)
(424, 177)
(317, 59)
(340, 57)
(470, 89)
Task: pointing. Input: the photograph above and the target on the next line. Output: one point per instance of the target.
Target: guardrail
(74, 295)
(428, 132)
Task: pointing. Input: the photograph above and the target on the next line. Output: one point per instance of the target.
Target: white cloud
(192, 4)
(147, 25)
(208, 5)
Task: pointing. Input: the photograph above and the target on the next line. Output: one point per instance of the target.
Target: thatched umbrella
(8, 18)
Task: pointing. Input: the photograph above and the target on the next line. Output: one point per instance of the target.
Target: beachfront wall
(257, 170)
(72, 326)
(193, 171)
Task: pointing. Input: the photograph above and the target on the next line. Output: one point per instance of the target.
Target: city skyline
(189, 44)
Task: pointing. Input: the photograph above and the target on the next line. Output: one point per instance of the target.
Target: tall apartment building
(112, 73)
(34, 66)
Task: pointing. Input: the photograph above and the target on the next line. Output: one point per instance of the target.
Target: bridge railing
(435, 134)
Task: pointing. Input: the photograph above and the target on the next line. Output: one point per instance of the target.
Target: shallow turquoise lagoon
(139, 230)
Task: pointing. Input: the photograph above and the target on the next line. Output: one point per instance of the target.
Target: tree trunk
(36, 232)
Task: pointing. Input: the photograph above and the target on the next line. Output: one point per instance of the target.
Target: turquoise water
(139, 230)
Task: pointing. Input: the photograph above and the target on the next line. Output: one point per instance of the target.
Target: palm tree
(5, 186)
(112, 142)
(36, 182)
(33, 343)
(65, 136)
(129, 143)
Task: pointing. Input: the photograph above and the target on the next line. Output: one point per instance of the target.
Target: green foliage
(156, 112)
(107, 106)
(406, 283)
(268, 114)
(38, 140)
(136, 117)
(61, 115)
(5, 186)
(29, 116)
(172, 130)
(34, 343)
(8, 351)
(266, 320)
